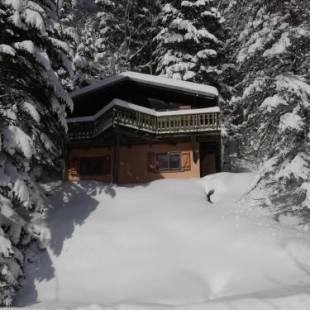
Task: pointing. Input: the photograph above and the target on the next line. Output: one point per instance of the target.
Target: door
(207, 163)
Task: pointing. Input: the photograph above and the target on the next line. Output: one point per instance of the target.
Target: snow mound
(162, 245)
(229, 186)
(300, 250)
(294, 302)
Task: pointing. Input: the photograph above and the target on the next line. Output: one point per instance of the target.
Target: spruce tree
(144, 28)
(113, 27)
(269, 113)
(189, 41)
(33, 62)
(125, 30)
(109, 36)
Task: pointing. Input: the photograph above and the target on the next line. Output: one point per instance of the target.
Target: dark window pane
(174, 161)
(162, 161)
(91, 166)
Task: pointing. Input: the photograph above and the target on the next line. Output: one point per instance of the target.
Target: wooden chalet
(135, 128)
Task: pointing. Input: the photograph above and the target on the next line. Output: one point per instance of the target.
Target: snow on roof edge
(98, 84)
(199, 89)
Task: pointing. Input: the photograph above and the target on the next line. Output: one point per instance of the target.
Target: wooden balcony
(120, 113)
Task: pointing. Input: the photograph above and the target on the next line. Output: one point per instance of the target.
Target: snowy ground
(163, 246)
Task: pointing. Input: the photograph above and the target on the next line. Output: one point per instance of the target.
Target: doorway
(208, 159)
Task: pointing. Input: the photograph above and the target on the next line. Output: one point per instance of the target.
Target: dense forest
(257, 53)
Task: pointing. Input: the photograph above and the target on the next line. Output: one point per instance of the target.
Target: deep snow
(161, 245)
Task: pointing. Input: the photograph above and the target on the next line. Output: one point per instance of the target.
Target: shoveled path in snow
(161, 245)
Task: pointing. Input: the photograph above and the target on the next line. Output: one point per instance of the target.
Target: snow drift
(162, 245)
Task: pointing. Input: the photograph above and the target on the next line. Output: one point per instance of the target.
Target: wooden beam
(115, 173)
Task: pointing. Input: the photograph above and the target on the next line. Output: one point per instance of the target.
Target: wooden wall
(73, 164)
(135, 163)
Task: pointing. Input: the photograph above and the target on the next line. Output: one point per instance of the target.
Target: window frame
(103, 170)
(169, 169)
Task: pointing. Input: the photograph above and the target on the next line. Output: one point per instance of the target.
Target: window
(95, 165)
(174, 161)
(162, 161)
(168, 161)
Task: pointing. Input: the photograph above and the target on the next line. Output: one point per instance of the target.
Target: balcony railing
(121, 113)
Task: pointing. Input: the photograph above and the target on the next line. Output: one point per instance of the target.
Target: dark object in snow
(210, 193)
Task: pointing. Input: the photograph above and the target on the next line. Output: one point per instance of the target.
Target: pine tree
(125, 30)
(113, 27)
(143, 16)
(87, 64)
(189, 42)
(33, 61)
(89, 59)
(109, 36)
(270, 112)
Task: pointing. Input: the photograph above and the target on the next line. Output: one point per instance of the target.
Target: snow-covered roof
(93, 87)
(151, 80)
(197, 89)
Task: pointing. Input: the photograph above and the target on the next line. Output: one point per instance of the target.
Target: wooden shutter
(107, 164)
(186, 161)
(151, 162)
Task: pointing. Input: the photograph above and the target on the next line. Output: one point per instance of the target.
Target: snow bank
(294, 302)
(163, 246)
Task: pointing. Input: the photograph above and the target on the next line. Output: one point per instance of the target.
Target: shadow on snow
(70, 204)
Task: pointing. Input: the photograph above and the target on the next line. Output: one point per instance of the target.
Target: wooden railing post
(209, 121)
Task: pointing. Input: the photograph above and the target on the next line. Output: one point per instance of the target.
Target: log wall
(134, 164)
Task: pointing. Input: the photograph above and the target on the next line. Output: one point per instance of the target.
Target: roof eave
(146, 80)
(93, 88)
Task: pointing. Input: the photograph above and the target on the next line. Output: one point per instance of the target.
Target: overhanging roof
(155, 80)
(136, 88)
(99, 85)
(147, 79)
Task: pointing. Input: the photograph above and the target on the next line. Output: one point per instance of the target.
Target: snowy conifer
(270, 108)
(189, 40)
(125, 30)
(33, 58)
(113, 27)
(144, 28)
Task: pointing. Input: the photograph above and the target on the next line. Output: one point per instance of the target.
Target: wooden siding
(73, 164)
(134, 162)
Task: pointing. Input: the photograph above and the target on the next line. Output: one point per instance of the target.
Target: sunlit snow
(162, 245)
